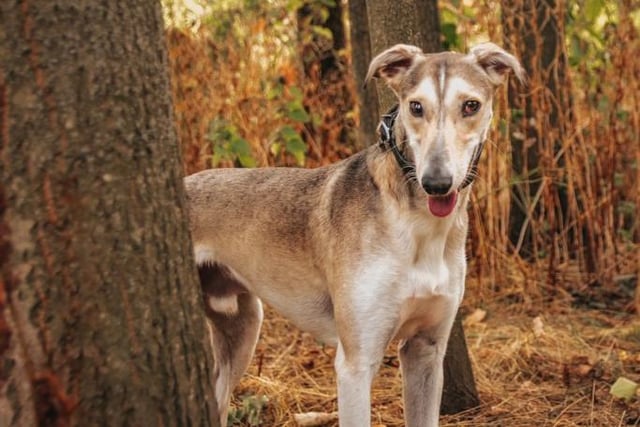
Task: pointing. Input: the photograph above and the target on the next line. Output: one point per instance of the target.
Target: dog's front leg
(421, 360)
(354, 376)
(363, 338)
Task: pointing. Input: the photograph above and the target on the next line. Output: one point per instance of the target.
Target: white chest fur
(432, 284)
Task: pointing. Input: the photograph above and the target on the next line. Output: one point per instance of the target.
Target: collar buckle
(388, 140)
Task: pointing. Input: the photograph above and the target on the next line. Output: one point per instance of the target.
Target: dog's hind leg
(234, 317)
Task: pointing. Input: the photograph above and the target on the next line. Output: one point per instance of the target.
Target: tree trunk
(421, 27)
(322, 51)
(368, 111)
(459, 392)
(540, 209)
(402, 21)
(101, 320)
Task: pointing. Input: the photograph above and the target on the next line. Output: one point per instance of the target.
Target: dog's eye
(470, 107)
(416, 108)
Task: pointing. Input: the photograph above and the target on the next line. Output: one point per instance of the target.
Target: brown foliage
(194, 84)
(250, 84)
(579, 123)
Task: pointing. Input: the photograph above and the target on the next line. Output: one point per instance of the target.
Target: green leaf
(274, 91)
(229, 145)
(297, 149)
(322, 32)
(242, 150)
(293, 5)
(287, 132)
(296, 93)
(624, 388)
(450, 33)
(298, 114)
(275, 148)
(327, 3)
(294, 144)
(249, 413)
(247, 161)
(592, 9)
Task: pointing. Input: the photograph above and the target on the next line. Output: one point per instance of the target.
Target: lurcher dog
(360, 252)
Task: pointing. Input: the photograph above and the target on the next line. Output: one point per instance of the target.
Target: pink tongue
(442, 205)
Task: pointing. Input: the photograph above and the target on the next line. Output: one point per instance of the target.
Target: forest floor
(550, 367)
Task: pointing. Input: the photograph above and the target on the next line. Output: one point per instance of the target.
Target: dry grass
(557, 376)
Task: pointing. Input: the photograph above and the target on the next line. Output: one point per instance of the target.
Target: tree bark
(101, 320)
(421, 27)
(402, 21)
(368, 111)
(459, 392)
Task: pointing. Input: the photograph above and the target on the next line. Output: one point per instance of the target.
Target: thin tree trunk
(534, 31)
(323, 65)
(418, 23)
(459, 392)
(361, 57)
(402, 21)
(101, 320)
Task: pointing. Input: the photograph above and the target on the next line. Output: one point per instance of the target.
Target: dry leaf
(310, 419)
(538, 327)
(476, 317)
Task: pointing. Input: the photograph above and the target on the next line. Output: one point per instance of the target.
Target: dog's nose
(437, 184)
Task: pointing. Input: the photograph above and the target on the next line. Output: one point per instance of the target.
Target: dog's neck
(391, 179)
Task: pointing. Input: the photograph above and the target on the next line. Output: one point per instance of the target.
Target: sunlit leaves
(229, 146)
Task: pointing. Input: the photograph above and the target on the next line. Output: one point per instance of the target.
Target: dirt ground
(548, 368)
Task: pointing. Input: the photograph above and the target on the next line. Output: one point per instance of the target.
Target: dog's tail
(234, 317)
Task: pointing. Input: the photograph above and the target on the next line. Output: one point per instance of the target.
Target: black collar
(388, 142)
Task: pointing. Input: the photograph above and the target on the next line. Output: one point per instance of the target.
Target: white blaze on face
(422, 131)
(443, 80)
(457, 88)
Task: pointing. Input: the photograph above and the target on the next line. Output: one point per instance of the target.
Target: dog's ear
(497, 63)
(392, 64)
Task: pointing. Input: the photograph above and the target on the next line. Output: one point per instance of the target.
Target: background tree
(322, 43)
(367, 105)
(421, 27)
(534, 32)
(405, 21)
(100, 311)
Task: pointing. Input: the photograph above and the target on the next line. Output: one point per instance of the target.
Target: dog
(362, 251)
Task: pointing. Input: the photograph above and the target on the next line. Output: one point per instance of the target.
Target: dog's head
(445, 109)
